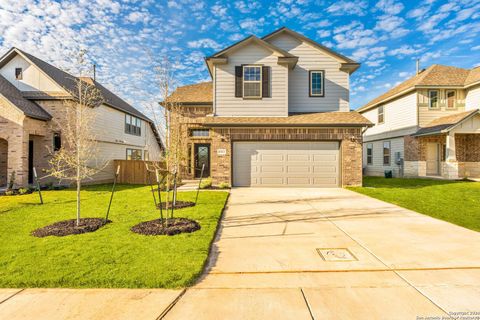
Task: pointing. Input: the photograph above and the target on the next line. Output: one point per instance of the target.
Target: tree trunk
(78, 196)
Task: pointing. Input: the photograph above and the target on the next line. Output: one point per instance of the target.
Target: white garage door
(280, 164)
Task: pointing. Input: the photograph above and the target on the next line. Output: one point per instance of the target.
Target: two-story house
(276, 113)
(32, 102)
(429, 125)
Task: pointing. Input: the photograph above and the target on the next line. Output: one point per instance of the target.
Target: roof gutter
(309, 125)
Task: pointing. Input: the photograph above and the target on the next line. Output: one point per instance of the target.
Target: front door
(433, 159)
(30, 161)
(202, 157)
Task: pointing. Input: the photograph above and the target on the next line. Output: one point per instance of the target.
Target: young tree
(77, 161)
(167, 118)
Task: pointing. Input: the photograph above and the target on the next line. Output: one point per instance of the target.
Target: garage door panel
(303, 164)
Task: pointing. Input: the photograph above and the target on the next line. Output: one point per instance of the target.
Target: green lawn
(457, 202)
(113, 256)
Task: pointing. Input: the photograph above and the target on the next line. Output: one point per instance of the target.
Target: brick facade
(223, 138)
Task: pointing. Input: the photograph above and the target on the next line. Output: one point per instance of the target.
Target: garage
(282, 164)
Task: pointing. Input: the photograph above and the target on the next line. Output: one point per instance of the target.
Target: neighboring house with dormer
(429, 125)
(32, 96)
(276, 113)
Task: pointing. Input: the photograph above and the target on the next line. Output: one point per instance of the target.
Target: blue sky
(125, 37)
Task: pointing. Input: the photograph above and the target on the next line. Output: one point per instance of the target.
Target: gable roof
(29, 108)
(445, 124)
(199, 93)
(69, 82)
(435, 75)
(221, 56)
(315, 44)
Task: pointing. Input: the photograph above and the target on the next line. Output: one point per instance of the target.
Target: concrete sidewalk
(299, 254)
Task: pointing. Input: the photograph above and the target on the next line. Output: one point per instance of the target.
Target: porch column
(450, 169)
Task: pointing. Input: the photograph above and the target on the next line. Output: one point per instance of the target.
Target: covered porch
(448, 148)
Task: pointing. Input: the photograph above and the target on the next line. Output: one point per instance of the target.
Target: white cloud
(323, 33)
(344, 7)
(204, 43)
(390, 6)
(404, 74)
(236, 37)
(476, 48)
(219, 10)
(404, 50)
(247, 6)
(432, 22)
(252, 25)
(389, 23)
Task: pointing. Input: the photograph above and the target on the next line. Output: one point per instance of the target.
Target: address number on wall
(221, 152)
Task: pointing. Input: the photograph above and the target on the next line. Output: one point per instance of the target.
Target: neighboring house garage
(277, 164)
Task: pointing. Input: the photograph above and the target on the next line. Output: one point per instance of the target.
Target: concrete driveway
(300, 254)
(379, 261)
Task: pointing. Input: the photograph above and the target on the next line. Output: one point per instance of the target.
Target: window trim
(131, 126)
(19, 76)
(383, 115)
(370, 147)
(310, 83)
(252, 81)
(199, 136)
(132, 149)
(389, 153)
(430, 99)
(454, 98)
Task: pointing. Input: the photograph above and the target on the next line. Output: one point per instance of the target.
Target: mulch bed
(178, 204)
(68, 227)
(175, 226)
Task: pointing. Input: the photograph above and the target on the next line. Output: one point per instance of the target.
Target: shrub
(11, 183)
(224, 185)
(9, 193)
(206, 183)
(23, 191)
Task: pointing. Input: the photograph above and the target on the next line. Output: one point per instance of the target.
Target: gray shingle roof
(12, 94)
(69, 83)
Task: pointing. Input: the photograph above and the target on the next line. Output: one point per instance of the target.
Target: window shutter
(238, 81)
(265, 82)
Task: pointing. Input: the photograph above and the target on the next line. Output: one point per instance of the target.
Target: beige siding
(471, 125)
(472, 100)
(228, 105)
(310, 58)
(399, 113)
(377, 168)
(426, 115)
(33, 78)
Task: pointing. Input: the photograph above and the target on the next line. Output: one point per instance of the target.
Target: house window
(134, 154)
(381, 117)
(433, 99)
(316, 84)
(57, 141)
(252, 81)
(199, 133)
(18, 73)
(133, 125)
(451, 99)
(386, 153)
(369, 153)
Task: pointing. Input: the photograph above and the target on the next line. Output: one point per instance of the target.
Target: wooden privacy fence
(133, 171)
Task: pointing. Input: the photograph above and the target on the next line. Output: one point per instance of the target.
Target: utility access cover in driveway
(336, 254)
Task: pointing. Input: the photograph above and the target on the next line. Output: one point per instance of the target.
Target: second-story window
(57, 141)
(451, 99)
(199, 133)
(133, 125)
(433, 99)
(252, 81)
(381, 116)
(316, 84)
(18, 73)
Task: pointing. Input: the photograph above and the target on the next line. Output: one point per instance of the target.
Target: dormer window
(252, 81)
(18, 73)
(317, 83)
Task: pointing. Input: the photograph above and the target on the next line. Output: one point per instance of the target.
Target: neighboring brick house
(429, 125)
(32, 104)
(275, 114)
